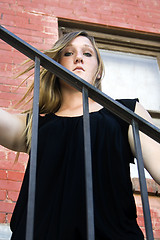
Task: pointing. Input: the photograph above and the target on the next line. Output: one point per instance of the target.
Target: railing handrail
(87, 90)
(100, 97)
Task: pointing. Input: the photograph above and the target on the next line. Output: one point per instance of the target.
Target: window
(131, 75)
(132, 64)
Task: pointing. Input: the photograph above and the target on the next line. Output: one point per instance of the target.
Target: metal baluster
(33, 158)
(88, 167)
(143, 186)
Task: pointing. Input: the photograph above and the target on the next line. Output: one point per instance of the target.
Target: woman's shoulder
(129, 103)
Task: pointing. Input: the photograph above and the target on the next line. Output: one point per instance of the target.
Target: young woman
(60, 186)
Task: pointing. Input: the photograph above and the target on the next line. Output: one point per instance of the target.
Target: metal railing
(113, 106)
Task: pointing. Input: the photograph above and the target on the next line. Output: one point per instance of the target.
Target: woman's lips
(78, 68)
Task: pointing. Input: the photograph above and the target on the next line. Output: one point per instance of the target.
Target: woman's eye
(88, 54)
(68, 54)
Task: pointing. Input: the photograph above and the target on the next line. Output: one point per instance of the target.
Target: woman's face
(79, 57)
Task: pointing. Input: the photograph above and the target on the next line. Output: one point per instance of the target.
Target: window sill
(152, 187)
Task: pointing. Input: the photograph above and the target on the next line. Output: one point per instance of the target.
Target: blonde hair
(50, 93)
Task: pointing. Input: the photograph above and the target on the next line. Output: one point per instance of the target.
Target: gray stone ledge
(5, 232)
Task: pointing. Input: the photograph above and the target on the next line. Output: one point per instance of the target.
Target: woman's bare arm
(150, 148)
(12, 129)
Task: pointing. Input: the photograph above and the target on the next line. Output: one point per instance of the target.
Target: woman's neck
(72, 103)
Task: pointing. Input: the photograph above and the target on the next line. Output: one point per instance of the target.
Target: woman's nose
(79, 58)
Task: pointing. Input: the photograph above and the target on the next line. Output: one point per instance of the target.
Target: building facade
(126, 31)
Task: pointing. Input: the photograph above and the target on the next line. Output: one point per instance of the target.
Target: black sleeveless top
(60, 190)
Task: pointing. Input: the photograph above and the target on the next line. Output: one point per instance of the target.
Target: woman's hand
(12, 131)
(150, 148)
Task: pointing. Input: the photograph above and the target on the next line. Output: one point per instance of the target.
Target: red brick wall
(40, 30)
(154, 202)
(35, 21)
(155, 214)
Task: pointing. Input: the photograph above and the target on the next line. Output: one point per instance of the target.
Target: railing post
(88, 168)
(33, 157)
(101, 98)
(142, 180)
